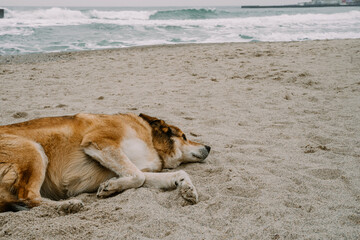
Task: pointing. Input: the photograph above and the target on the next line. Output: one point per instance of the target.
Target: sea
(26, 30)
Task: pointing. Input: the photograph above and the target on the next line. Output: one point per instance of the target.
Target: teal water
(34, 30)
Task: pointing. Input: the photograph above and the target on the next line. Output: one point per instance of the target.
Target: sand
(283, 120)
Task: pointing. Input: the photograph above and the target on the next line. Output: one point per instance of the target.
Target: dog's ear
(156, 123)
(166, 129)
(153, 121)
(147, 118)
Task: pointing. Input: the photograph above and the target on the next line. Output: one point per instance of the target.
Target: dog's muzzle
(203, 153)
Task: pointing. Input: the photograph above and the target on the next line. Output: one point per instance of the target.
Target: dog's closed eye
(184, 137)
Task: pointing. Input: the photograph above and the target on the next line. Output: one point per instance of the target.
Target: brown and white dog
(60, 157)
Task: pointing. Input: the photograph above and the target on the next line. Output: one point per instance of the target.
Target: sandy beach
(283, 121)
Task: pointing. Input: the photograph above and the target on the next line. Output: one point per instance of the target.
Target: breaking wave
(26, 30)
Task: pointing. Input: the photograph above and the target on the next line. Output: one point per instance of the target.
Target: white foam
(121, 15)
(63, 16)
(51, 13)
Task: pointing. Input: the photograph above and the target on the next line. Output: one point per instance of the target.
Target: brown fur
(60, 157)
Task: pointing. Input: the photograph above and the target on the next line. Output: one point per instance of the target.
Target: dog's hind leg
(38, 168)
(8, 200)
(24, 167)
(171, 180)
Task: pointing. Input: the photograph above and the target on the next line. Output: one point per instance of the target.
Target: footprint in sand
(242, 192)
(20, 115)
(326, 173)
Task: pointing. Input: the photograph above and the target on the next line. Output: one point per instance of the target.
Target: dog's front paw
(188, 192)
(106, 189)
(71, 206)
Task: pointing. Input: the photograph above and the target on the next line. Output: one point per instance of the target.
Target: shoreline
(282, 119)
(53, 56)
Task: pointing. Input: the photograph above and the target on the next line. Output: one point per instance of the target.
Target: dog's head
(173, 146)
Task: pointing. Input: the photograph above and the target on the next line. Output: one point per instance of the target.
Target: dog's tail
(12, 206)
(9, 200)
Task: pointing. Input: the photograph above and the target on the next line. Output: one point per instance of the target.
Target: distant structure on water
(2, 13)
(313, 3)
(333, 2)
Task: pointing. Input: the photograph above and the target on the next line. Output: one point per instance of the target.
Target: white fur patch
(137, 151)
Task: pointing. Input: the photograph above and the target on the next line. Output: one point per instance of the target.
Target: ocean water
(34, 30)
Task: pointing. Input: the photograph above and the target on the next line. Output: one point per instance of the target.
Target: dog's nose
(207, 148)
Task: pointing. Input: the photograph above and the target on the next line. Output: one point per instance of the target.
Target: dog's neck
(165, 147)
(162, 142)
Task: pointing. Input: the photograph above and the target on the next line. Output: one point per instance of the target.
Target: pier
(294, 6)
(307, 5)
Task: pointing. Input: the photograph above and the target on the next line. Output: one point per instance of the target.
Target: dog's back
(54, 144)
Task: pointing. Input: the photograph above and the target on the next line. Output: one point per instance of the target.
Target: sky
(145, 3)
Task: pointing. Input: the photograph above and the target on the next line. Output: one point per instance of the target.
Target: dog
(47, 160)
